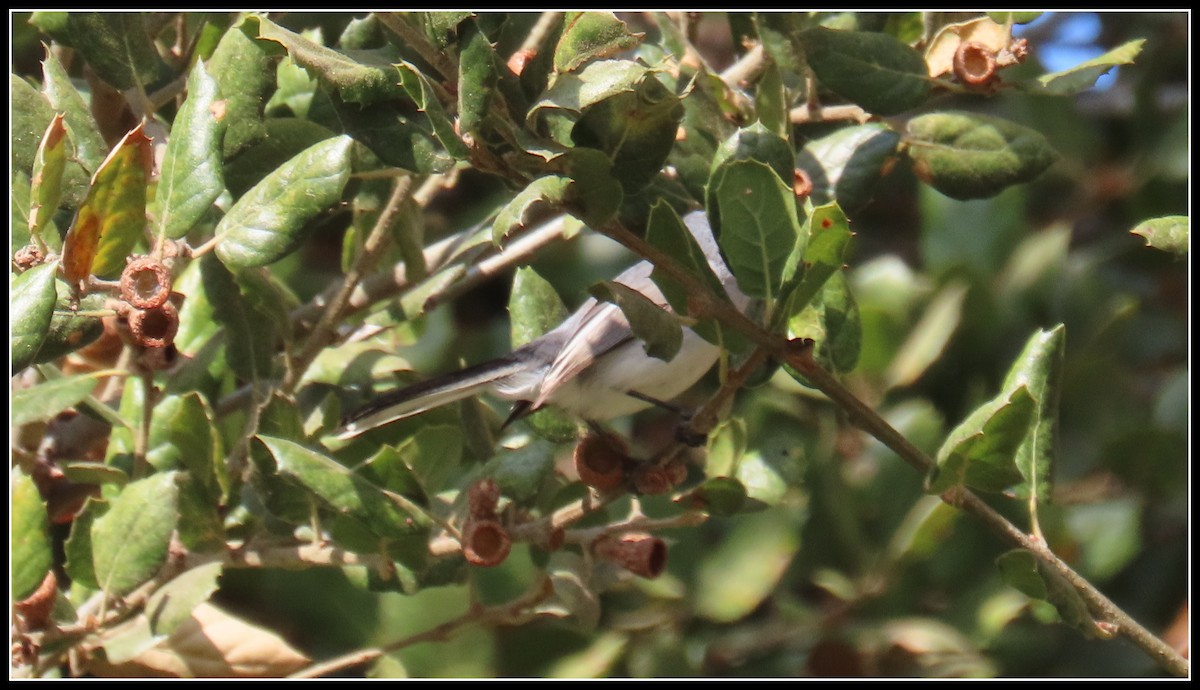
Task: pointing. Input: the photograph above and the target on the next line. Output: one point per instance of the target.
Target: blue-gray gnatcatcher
(591, 365)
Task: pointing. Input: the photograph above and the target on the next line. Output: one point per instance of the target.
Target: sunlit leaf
(1168, 233)
(191, 176)
(1084, 75)
(46, 399)
(660, 332)
(846, 165)
(30, 533)
(591, 36)
(759, 226)
(117, 46)
(31, 302)
(129, 542)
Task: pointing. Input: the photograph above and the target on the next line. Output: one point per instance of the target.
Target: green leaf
(829, 234)
(295, 88)
(1084, 75)
(551, 189)
(30, 113)
(191, 177)
(928, 337)
(1168, 233)
(173, 603)
(743, 570)
(771, 102)
(183, 436)
(533, 306)
(779, 32)
(30, 533)
(980, 453)
(843, 330)
(636, 130)
(78, 547)
(342, 490)
(433, 454)
(90, 148)
(752, 143)
(421, 91)
(522, 472)
(249, 345)
(129, 542)
(1039, 367)
(389, 130)
(660, 331)
(47, 399)
(113, 216)
(971, 156)
(46, 182)
(1019, 569)
(590, 36)
(721, 496)
(245, 74)
(358, 76)
(31, 303)
(846, 165)
(18, 206)
(271, 219)
(285, 138)
(117, 46)
(70, 331)
(876, 71)
(595, 82)
(759, 226)
(477, 77)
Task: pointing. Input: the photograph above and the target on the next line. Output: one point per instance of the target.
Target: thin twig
(441, 60)
(539, 32)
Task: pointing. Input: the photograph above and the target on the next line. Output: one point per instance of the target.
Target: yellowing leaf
(113, 216)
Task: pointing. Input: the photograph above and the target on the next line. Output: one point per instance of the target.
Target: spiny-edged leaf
(46, 182)
(295, 87)
(873, 70)
(191, 176)
(439, 26)
(705, 126)
(342, 490)
(113, 216)
(129, 542)
(533, 306)
(829, 235)
(31, 298)
(183, 436)
(759, 226)
(551, 189)
(980, 453)
(736, 576)
(477, 76)
(755, 142)
(117, 46)
(1082, 76)
(972, 156)
(46, 399)
(1019, 569)
(845, 166)
(271, 219)
(173, 603)
(358, 76)
(245, 74)
(78, 547)
(1168, 233)
(1039, 367)
(30, 533)
(590, 36)
(636, 130)
(89, 145)
(596, 81)
(30, 113)
(660, 332)
(420, 90)
(717, 496)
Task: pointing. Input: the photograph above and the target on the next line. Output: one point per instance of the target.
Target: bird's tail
(426, 395)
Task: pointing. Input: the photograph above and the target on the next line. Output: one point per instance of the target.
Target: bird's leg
(683, 430)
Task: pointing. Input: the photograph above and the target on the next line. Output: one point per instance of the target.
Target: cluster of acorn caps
(148, 310)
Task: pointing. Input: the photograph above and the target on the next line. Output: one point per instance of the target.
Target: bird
(591, 365)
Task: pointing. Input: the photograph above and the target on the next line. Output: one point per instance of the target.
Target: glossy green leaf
(779, 33)
(173, 603)
(660, 332)
(771, 102)
(294, 88)
(271, 219)
(636, 130)
(191, 176)
(420, 90)
(30, 533)
(980, 453)
(434, 454)
(129, 542)
(391, 131)
(590, 36)
(46, 182)
(47, 399)
(88, 143)
(763, 481)
(726, 445)
(72, 329)
(876, 71)
(113, 216)
(829, 235)
(1021, 570)
(972, 156)
(245, 74)
(31, 302)
(751, 143)
(83, 472)
(1039, 367)
(743, 570)
(285, 138)
(342, 490)
(596, 81)
(358, 76)
(846, 165)
(117, 46)
(759, 226)
(18, 206)
(551, 189)
(1084, 75)
(1168, 233)
(78, 547)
